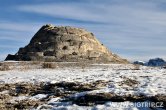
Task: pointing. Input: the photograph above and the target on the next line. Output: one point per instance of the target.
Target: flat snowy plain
(122, 80)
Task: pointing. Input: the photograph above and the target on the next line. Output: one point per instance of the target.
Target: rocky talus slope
(55, 43)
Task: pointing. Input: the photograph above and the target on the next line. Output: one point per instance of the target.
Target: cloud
(70, 11)
(131, 28)
(14, 26)
(14, 35)
(136, 18)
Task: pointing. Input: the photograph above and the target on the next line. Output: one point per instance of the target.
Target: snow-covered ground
(148, 81)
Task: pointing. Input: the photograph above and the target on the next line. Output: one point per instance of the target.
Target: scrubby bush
(136, 67)
(35, 62)
(4, 67)
(48, 65)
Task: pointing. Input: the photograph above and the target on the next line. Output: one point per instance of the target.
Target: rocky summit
(59, 43)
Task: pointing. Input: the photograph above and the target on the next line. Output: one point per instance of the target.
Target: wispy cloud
(75, 11)
(127, 27)
(14, 26)
(13, 36)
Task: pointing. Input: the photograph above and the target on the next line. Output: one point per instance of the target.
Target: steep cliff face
(52, 43)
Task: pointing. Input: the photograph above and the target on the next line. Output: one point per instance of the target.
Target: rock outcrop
(155, 62)
(52, 43)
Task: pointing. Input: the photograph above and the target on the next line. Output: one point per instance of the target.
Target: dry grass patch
(35, 62)
(49, 65)
(4, 67)
(136, 67)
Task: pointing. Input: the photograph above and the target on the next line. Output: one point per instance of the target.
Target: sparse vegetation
(129, 82)
(49, 65)
(24, 90)
(4, 67)
(35, 62)
(136, 67)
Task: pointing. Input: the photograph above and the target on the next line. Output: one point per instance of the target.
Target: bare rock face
(52, 43)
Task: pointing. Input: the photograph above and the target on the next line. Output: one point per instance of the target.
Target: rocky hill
(152, 62)
(58, 43)
(156, 62)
